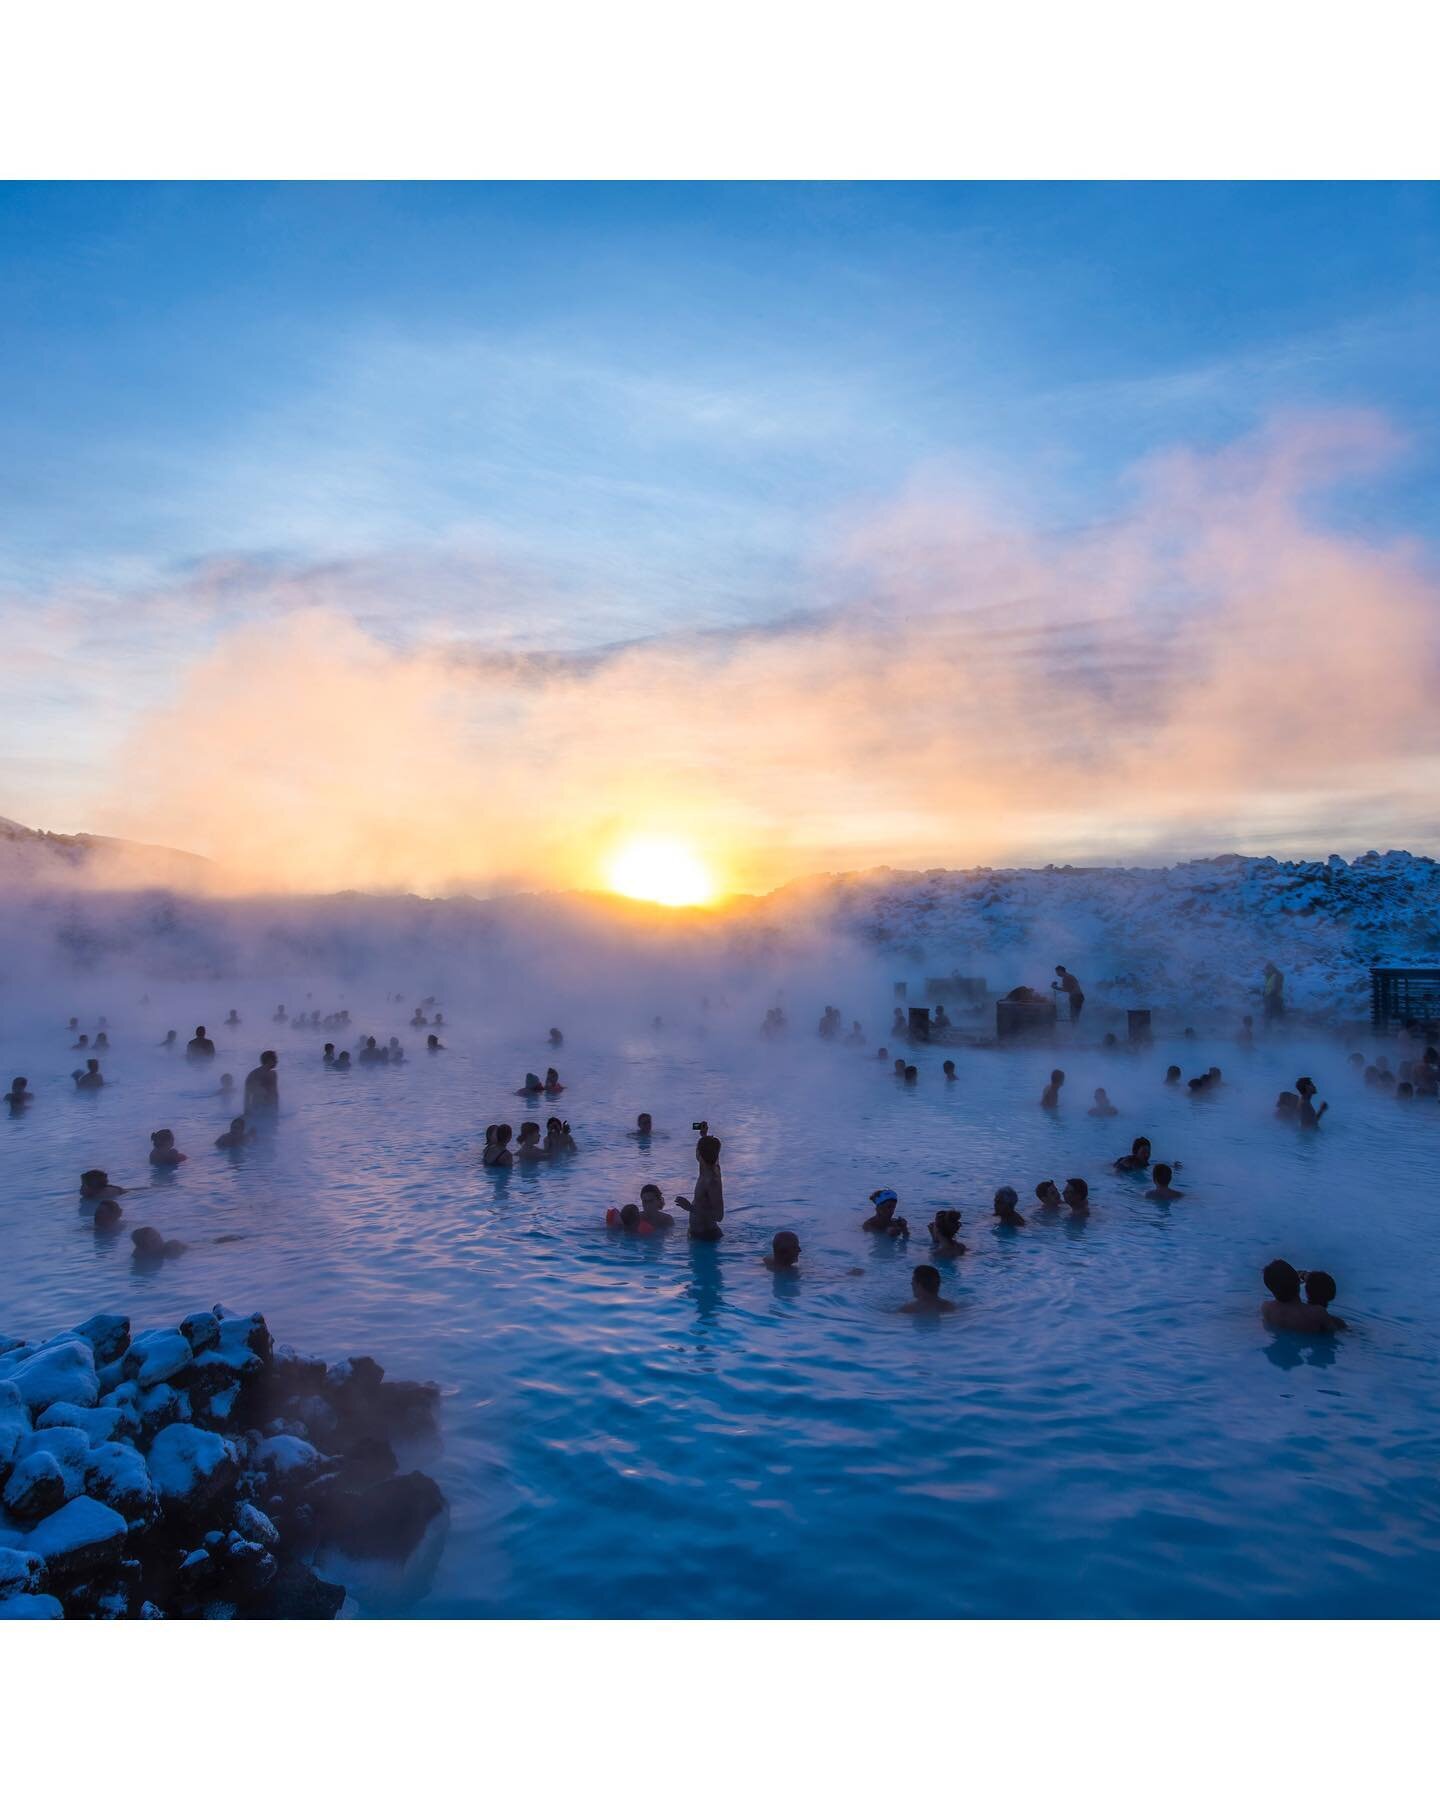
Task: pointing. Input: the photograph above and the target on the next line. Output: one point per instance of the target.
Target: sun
(660, 869)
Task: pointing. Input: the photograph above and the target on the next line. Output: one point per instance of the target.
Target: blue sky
(570, 416)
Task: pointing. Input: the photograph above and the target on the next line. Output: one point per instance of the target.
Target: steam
(1213, 668)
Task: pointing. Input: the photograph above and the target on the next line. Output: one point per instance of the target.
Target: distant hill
(31, 858)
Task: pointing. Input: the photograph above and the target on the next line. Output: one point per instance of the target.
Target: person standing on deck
(1070, 985)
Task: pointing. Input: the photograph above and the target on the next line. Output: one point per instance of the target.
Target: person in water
(558, 1141)
(232, 1018)
(88, 1078)
(652, 1205)
(900, 1066)
(947, 1069)
(95, 1184)
(1077, 1195)
(532, 1090)
(163, 1153)
(1319, 1292)
(151, 1247)
(644, 1126)
(945, 1234)
(396, 1051)
(528, 1147)
(553, 1083)
(497, 1147)
(1050, 1099)
(1162, 1175)
(200, 1046)
(1102, 1109)
(432, 1044)
(1172, 1075)
(19, 1095)
(106, 1218)
(1287, 1108)
(912, 1075)
(1007, 1209)
(628, 1218)
(1138, 1159)
(1070, 986)
(342, 1061)
(1310, 1114)
(238, 1134)
(102, 1040)
(706, 1207)
(942, 1019)
(1286, 1311)
(1049, 1196)
(169, 1040)
(327, 1057)
(883, 1220)
(262, 1085)
(784, 1257)
(925, 1292)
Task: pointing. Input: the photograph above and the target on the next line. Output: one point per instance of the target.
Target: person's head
(489, 1136)
(948, 1068)
(1356, 1059)
(1319, 1287)
(552, 1076)
(19, 1085)
(925, 1282)
(947, 1223)
(644, 1122)
(651, 1199)
(1101, 1097)
(630, 1215)
(74, 1023)
(107, 1215)
(911, 1072)
(552, 1126)
(268, 1058)
(899, 1065)
(1077, 1192)
(94, 1181)
(1140, 1147)
(882, 1054)
(885, 1200)
(1047, 1193)
(1059, 968)
(1304, 1085)
(1006, 1200)
(1110, 1040)
(238, 1126)
(1214, 1074)
(329, 1049)
(1287, 1102)
(1162, 1173)
(84, 1037)
(163, 1139)
(533, 1083)
(226, 1083)
(199, 1031)
(529, 1132)
(1404, 1091)
(707, 1150)
(92, 1064)
(785, 1249)
(503, 1135)
(1057, 1078)
(342, 1061)
(369, 1043)
(1172, 1074)
(1282, 1281)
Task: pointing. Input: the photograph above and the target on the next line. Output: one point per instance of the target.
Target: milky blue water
(646, 1427)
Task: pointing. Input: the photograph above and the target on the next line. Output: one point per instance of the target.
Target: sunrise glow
(662, 870)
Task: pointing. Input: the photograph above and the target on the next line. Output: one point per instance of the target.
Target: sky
(451, 535)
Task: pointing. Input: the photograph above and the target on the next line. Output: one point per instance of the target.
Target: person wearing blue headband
(883, 1220)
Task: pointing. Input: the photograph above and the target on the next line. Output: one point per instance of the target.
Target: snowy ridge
(1197, 933)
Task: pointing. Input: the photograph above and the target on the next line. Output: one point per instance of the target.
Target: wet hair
(1162, 1173)
(268, 1058)
(489, 1136)
(1057, 1075)
(1282, 1281)
(503, 1134)
(1078, 1185)
(1042, 1188)
(911, 1072)
(1139, 1146)
(107, 1214)
(650, 1187)
(785, 1246)
(708, 1150)
(94, 1178)
(629, 1214)
(529, 1130)
(1319, 1287)
(644, 1122)
(926, 1279)
(1006, 1199)
(1287, 1102)
(162, 1137)
(948, 1068)
(947, 1223)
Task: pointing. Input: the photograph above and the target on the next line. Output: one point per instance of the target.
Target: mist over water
(643, 1426)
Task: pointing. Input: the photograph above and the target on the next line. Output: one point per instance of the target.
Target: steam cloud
(1212, 669)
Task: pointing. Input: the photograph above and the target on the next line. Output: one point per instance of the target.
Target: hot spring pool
(643, 1427)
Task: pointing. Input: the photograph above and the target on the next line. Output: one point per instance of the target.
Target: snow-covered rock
(108, 1335)
(31, 1606)
(119, 1475)
(36, 1486)
(190, 1467)
(20, 1571)
(80, 1536)
(155, 1356)
(63, 1369)
(99, 1423)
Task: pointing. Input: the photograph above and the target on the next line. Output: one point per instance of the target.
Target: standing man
(1274, 994)
(1069, 984)
(262, 1086)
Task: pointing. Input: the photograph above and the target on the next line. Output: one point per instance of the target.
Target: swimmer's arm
(682, 1203)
